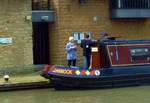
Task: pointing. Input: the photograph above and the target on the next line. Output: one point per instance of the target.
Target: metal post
(148, 4)
(119, 3)
(116, 52)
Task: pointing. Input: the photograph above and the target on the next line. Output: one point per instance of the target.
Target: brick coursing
(14, 25)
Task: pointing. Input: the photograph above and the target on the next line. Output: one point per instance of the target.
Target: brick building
(15, 26)
(42, 39)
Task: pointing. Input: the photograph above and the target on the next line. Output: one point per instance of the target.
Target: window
(82, 2)
(40, 4)
(130, 4)
(139, 53)
(78, 36)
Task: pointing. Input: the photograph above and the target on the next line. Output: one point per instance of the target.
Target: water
(117, 95)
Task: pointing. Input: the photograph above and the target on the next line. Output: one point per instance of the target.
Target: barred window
(130, 4)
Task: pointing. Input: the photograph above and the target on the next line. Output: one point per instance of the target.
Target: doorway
(40, 43)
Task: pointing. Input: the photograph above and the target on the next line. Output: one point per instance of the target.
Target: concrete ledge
(25, 86)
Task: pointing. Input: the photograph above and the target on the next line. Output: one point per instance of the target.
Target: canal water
(117, 95)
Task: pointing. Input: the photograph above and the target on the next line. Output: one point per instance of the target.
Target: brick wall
(14, 25)
(72, 17)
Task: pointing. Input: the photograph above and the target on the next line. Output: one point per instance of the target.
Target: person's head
(71, 39)
(104, 34)
(87, 36)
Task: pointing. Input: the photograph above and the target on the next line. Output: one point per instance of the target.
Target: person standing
(103, 36)
(86, 46)
(71, 50)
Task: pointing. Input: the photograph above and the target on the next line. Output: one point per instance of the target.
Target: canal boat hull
(114, 63)
(110, 77)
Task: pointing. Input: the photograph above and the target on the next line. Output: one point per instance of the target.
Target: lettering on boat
(62, 71)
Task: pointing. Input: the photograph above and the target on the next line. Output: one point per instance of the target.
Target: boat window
(139, 53)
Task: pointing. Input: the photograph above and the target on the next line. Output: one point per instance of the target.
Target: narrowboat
(114, 63)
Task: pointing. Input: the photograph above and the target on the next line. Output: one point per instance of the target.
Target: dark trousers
(72, 62)
(86, 61)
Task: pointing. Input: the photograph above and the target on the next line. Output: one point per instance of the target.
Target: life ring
(97, 73)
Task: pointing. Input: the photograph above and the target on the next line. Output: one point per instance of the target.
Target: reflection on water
(117, 95)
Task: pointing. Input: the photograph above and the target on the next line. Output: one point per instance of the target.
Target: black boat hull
(61, 83)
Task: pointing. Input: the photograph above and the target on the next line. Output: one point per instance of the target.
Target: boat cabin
(112, 53)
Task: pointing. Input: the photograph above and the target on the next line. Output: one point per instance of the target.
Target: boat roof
(119, 42)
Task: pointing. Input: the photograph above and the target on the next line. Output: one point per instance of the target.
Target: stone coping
(24, 82)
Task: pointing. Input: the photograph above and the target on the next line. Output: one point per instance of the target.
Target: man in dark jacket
(86, 45)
